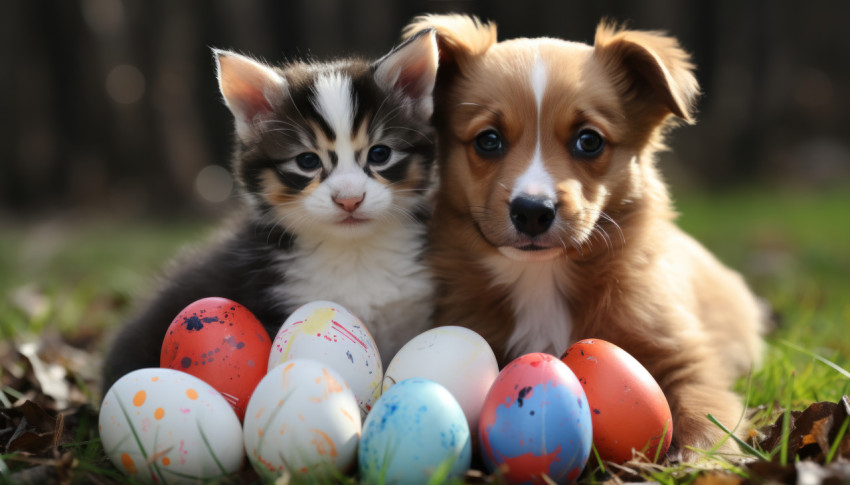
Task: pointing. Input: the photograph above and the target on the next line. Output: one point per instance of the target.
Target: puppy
(553, 224)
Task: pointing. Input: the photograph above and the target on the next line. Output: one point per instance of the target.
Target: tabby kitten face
(340, 149)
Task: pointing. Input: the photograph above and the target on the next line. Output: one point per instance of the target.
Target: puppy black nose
(532, 215)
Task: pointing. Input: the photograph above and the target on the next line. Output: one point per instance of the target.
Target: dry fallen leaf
(50, 377)
(812, 432)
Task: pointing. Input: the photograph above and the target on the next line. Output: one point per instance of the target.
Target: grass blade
(441, 473)
(661, 442)
(838, 438)
(158, 473)
(786, 421)
(13, 392)
(746, 446)
(598, 458)
(817, 357)
(210, 450)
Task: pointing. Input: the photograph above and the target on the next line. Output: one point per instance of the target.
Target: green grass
(793, 248)
(82, 275)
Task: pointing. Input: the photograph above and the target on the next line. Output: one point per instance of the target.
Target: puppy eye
(489, 143)
(587, 144)
(308, 161)
(379, 154)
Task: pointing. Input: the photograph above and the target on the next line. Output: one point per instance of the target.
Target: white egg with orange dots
(455, 357)
(302, 419)
(165, 426)
(328, 332)
(629, 411)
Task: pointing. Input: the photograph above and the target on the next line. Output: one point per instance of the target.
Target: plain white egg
(455, 357)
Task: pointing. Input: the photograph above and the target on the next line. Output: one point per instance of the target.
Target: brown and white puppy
(553, 224)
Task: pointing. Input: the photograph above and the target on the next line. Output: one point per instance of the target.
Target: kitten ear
(654, 74)
(411, 68)
(250, 88)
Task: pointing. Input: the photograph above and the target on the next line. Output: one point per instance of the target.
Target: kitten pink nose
(349, 204)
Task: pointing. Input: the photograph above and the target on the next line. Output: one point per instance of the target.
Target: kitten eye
(379, 154)
(308, 161)
(489, 143)
(588, 144)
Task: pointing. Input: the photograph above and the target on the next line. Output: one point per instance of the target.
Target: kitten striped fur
(334, 161)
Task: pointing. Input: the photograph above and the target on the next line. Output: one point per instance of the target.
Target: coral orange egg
(628, 408)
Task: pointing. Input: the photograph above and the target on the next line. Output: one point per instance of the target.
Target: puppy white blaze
(536, 181)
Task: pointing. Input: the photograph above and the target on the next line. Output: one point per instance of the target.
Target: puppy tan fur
(553, 224)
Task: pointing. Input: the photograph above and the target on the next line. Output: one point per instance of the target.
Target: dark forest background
(112, 105)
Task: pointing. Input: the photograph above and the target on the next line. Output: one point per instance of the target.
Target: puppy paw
(695, 437)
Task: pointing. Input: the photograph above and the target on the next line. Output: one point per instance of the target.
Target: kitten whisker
(294, 105)
(406, 214)
(423, 135)
(381, 106)
(388, 140)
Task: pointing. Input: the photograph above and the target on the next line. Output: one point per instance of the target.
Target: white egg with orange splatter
(328, 332)
(302, 419)
(165, 426)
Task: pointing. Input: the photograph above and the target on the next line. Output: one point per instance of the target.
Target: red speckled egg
(222, 343)
(628, 408)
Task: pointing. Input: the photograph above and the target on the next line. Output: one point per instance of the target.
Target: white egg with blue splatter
(415, 429)
(457, 358)
(302, 419)
(328, 332)
(166, 426)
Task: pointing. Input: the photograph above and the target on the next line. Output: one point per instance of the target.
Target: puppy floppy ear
(412, 68)
(251, 89)
(652, 73)
(458, 36)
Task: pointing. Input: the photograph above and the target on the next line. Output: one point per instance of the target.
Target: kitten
(335, 164)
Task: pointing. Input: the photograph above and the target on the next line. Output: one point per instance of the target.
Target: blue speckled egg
(535, 421)
(414, 428)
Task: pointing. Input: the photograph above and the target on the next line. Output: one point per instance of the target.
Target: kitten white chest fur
(542, 318)
(380, 279)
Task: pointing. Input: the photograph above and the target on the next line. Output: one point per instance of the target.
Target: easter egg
(415, 429)
(535, 421)
(304, 419)
(222, 343)
(165, 426)
(456, 358)
(628, 408)
(327, 332)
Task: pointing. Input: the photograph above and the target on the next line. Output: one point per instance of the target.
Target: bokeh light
(214, 183)
(125, 84)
